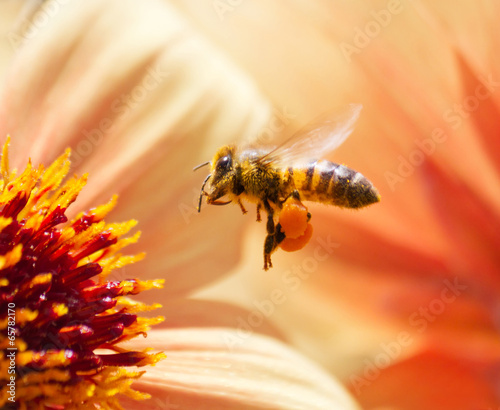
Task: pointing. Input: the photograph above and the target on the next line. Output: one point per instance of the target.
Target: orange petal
(471, 223)
(429, 380)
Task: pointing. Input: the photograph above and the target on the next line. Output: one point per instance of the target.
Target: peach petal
(205, 370)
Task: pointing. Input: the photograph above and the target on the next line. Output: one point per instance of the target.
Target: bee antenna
(201, 165)
(202, 190)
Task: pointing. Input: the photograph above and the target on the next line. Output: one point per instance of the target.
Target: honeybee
(269, 176)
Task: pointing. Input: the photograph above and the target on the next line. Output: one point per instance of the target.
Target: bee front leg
(259, 205)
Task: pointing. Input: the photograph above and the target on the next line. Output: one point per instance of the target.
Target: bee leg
(295, 193)
(279, 235)
(271, 243)
(242, 207)
(259, 205)
(268, 246)
(273, 238)
(270, 220)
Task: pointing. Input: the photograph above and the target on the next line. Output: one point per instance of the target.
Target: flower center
(56, 305)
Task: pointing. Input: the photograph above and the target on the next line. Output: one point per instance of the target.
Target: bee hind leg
(274, 236)
(271, 243)
(296, 194)
(268, 248)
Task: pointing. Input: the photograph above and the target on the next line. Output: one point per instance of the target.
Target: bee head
(222, 165)
(220, 177)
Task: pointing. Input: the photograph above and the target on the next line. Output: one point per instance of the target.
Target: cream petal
(205, 370)
(12, 14)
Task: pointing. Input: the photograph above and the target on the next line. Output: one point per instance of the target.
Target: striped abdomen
(327, 182)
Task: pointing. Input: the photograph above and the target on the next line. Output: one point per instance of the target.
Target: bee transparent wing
(324, 134)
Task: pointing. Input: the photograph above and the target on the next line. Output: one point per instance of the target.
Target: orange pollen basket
(294, 220)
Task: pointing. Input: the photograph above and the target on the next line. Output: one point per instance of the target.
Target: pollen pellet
(295, 244)
(293, 218)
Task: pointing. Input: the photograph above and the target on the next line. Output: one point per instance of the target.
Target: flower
(400, 300)
(140, 98)
(57, 305)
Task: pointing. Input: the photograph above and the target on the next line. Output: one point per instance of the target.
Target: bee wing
(320, 136)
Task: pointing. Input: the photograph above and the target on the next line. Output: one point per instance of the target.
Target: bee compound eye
(224, 163)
